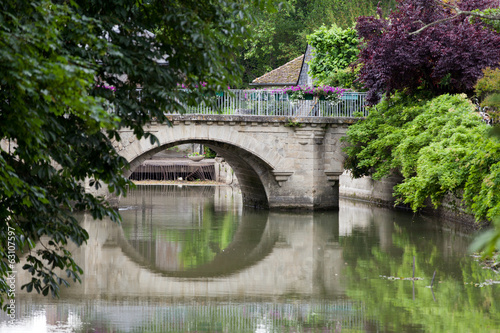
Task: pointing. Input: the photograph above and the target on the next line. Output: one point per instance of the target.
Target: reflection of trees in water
(409, 306)
(188, 247)
(202, 244)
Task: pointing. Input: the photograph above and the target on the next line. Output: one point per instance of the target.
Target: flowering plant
(296, 94)
(331, 94)
(107, 87)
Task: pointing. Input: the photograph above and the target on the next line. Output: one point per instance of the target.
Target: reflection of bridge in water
(294, 256)
(274, 254)
(298, 281)
(246, 249)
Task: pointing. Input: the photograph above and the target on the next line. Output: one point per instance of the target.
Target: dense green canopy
(69, 78)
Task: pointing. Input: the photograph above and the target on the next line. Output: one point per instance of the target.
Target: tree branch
(433, 23)
(458, 13)
(466, 12)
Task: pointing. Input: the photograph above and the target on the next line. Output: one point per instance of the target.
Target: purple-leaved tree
(445, 57)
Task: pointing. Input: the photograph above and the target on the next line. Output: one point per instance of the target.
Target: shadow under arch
(252, 242)
(251, 170)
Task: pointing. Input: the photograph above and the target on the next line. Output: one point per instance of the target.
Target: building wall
(304, 78)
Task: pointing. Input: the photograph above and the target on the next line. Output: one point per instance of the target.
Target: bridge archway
(252, 162)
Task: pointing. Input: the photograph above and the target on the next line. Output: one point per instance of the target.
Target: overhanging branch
(458, 13)
(433, 23)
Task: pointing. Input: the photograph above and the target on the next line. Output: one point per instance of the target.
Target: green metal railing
(276, 103)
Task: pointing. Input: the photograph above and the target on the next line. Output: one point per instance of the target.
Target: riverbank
(381, 193)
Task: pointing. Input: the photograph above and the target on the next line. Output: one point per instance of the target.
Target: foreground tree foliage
(63, 64)
(443, 58)
(439, 146)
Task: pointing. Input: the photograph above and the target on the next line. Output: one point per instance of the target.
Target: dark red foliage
(447, 57)
(478, 4)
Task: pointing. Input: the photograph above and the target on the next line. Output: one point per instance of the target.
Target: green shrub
(439, 146)
(492, 100)
(371, 141)
(209, 153)
(489, 83)
(344, 78)
(488, 90)
(334, 49)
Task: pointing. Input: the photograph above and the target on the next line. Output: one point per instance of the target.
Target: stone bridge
(280, 162)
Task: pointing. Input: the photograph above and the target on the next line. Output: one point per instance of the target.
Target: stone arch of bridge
(252, 162)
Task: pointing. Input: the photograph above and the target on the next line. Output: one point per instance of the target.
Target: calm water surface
(191, 259)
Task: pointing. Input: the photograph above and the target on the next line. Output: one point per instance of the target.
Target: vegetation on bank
(425, 128)
(439, 146)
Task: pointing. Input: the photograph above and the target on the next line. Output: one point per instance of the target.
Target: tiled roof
(286, 75)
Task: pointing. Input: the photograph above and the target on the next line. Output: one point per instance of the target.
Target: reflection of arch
(250, 245)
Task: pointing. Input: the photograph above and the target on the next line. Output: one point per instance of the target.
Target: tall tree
(275, 41)
(442, 58)
(69, 77)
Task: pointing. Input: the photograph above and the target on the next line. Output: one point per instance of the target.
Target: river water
(191, 259)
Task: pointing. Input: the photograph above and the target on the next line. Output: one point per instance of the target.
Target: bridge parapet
(288, 121)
